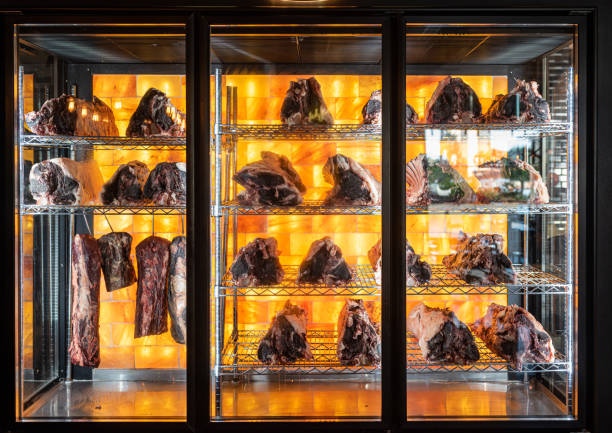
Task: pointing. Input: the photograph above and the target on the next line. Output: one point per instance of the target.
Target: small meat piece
(86, 264)
(156, 115)
(152, 257)
(442, 337)
(353, 184)
(65, 182)
(514, 334)
(453, 101)
(285, 342)
(372, 110)
(480, 259)
(358, 337)
(523, 104)
(418, 272)
(177, 289)
(324, 264)
(511, 180)
(116, 262)
(257, 264)
(67, 115)
(27, 194)
(270, 182)
(304, 104)
(124, 188)
(167, 184)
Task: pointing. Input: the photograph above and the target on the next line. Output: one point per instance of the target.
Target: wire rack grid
(28, 209)
(104, 143)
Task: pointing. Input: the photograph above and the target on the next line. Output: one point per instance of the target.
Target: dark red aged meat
(523, 104)
(480, 259)
(358, 339)
(453, 101)
(86, 265)
(272, 181)
(177, 289)
(156, 115)
(285, 342)
(353, 184)
(418, 272)
(167, 184)
(514, 334)
(67, 115)
(304, 104)
(257, 264)
(372, 110)
(152, 256)
(124, 188)
(117, 265)
(441, 336)
(324, 264)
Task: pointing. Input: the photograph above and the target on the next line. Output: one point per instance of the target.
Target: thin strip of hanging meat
(358, 338)
(156, 115)
(257, 264)
(523, 104)
(124, 188)
(177, 289)
(453, 101)
(117, 265)
(324, 264)
(304, 104)
(353, 184)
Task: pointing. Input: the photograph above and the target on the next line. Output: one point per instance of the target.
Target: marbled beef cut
(124, 188)
(304, 104)
(372, 110)
(86, 266)
(523, 104)
(152, 257)
(418, 272)
(324, 264)
(177, 289)
(453, 101)
(358, 338)
(441, 336)
(353, 184)
(167, 184)
(156, 115)
(257, 264)
(117, 265)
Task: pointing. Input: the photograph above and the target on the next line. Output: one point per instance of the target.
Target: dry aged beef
(257, 264)
(66, 182)
(358, 338)
(272, 181)
(117, 265)
(480, 259)
(511, 180)
(441, 336)
(86, 265)
(124, 188)
(372, 110)
(514, 334)
(353, 184)
(453, 101)
(304, 104)
(523, 104)
(167, 184)
(430, 180)
(418, 272)
(27, 194)
(152, 257)
(67, 115)
(285, 342)
(156, 115)
(177, 289)
(324, 264)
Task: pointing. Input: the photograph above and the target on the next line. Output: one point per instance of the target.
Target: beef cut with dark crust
(117, 265)
(372, 110)
(353, 185)
(324, 264)
(523, 104)
(124, 188)
(257, 264)
(453, 101)
(358, 338)
(177, 289)
(304, 104)
(27, 194)
(441, 336)
(418, 272)
(156, 115)
(514, 334)
(167, 184)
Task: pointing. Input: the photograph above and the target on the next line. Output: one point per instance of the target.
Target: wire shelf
(309, 207)
(101, 210)
(104, 143)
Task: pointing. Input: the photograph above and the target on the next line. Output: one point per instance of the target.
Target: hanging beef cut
(167, 184)
(418, 272)
(324, 264)
(514, 334)
(453, 101)
(511, 180)
(257, 264)
(480, 259)
(65, 182)
(272, 181)
(117, 265)
(523, 104)
(177, 289)
(152, 257)
(67, 115)
(156, 115)
(285, 342)
(353, 184)
(441, 336)
(124, 188)
(86, 265)
(304, 104)
(372, 110)
(358, 338)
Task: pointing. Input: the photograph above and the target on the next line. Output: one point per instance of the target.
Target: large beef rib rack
(324, 264)
(304, 104)
(124, 188)
(353, 185)
(156, 115)
(453, 101)
(358, 338)
(167, 184)
(523, 104)
(257, 264)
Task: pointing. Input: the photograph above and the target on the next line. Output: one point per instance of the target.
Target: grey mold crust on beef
(453, 101)
(304, 104)
(514, 334)
(124, 188)
(441, 336)
(372, 110)
(523, 104)
(156, 115)
(324, 264)
(418, 272)
(358, 338)
(177, 289)
(353, 185)
(257, 264)
(285, 342)
(117, 265)
(167, 184)
(480, 259)
(272, 181)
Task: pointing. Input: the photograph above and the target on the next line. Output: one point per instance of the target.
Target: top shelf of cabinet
(103, 143)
